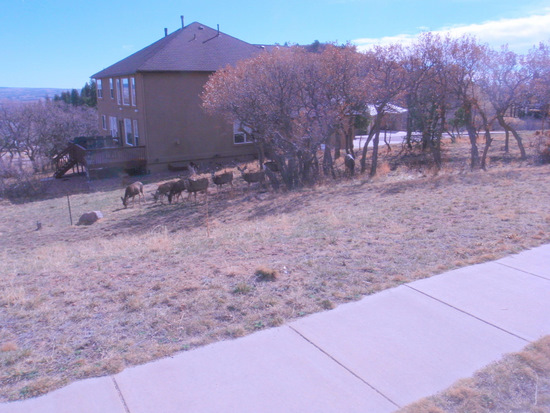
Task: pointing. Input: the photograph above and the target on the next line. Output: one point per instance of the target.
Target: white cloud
(520, 33)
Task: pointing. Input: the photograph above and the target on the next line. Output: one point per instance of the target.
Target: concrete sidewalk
(374, 355)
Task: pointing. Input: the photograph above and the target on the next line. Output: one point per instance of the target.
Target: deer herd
(193, 184)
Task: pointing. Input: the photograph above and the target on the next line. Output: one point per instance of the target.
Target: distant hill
(28, 94)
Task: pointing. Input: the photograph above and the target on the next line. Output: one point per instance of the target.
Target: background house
(152, 98)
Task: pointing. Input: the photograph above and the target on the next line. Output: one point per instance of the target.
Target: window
(125, 91)
(242, 134)
(128, 132)
(133, 89)
(113, 124)
(118, 92)
(104, 122)
(136, 132)
(111, 88)
(99, 88)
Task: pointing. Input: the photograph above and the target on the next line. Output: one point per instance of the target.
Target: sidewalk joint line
(344, 367)
(120, 395)
(523, 271)
(467, 313)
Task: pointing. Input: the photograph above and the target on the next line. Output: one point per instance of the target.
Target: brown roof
(195, 47)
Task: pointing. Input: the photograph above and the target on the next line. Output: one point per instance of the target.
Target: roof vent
(165, 32)
(182, 25)
(201, 28)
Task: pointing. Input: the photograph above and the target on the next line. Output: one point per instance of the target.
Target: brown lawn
(146, 282)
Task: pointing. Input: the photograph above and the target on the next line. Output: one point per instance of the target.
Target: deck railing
(121, 157)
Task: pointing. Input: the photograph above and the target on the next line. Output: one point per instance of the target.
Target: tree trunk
(374, 162)
(509, 128)
(375, 130)
(488, 140)
(472, 134)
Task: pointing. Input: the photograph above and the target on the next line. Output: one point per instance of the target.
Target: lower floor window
(136, 132)
(113, 124)
(241, 133)
(128, 132)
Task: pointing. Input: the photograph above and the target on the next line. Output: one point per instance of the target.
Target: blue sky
(60, 43)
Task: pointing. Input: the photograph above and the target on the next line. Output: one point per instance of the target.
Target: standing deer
(222, 179)
(163, 190)
(252, 177)
(197, 185)
(131, 191)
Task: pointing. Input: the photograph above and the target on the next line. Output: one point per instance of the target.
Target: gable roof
(195, 47)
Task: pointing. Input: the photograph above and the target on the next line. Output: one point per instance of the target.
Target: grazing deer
(222, 179)
(197, 185)
(177, 188)
(252, 177)
(272, 166)
(349, 161)
(131, 191)
(163, 190)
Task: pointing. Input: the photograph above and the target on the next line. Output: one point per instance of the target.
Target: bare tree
(384, 77)
(292, 102)
(39, 130)
(504, 82)
(465, 58)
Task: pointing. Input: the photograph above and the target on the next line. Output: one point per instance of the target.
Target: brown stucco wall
(177, 128)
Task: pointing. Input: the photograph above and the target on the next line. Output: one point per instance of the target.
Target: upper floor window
(133, 89)
(111, 88)
(125, 91)
(99, 88)
(118, 92)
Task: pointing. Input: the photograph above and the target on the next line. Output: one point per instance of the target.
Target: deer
(252, 177)
(163, 190)
(222, 179)
(194, 185)
(177, 188)
(131, 191)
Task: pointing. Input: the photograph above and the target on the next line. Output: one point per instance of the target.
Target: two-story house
(151, 99)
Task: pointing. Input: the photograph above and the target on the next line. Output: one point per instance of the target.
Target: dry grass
(146, 282)
(519, 382)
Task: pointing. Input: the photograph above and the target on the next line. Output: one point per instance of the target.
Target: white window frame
(125, 91)
(112, 90)
(104, 122)
(114, 126)
(136, 132)
(118, 92)
(239, 137)
(99, 88)
(128, 136)
(133, 90)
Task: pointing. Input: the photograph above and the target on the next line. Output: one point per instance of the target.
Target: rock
(89, 218)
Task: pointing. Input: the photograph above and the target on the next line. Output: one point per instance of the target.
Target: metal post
(70, 213)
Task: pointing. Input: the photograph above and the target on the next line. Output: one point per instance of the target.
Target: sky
(61, 43)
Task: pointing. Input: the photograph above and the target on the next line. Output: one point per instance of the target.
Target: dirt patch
(146, 282)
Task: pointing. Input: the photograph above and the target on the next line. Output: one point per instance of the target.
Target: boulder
(89, 218)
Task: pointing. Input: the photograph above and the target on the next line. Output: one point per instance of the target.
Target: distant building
(151, 99)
